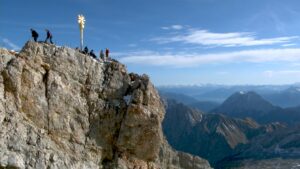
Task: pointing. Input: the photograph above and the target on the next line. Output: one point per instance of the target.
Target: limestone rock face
(62, 109)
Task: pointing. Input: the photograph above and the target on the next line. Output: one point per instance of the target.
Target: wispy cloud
(189, 60)
(273, 73)
(173, 27)
(230, 39)
(9, 44)
(288, 45)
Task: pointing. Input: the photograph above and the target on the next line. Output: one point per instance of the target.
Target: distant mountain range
(266, 150)
(268, 103)
(223, 139)
(245, 104)
(289, 97)
(250, 104)
(279, 95)
(205, 106)
(179, 97)
(212, 136)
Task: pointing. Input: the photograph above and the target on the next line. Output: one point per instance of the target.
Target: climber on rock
(49, 36)
(34, 34)
(93, 54)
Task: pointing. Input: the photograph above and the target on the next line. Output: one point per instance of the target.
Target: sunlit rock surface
(62, 109)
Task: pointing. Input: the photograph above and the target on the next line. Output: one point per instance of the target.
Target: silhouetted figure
(106, 53)
(86, 50)
(101, 55)
(34, 34)
(93, 54)
(49, 36)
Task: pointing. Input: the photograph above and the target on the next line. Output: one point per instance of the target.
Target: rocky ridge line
(62, 109)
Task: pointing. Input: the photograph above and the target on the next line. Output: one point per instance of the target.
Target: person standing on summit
(49, 36)
(34, 34)
(102, 55)
(106, 53)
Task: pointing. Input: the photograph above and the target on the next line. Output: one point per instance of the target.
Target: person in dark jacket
(49, 36)
(34, 34)
(93, 54)
(86, 50)
(107, 53)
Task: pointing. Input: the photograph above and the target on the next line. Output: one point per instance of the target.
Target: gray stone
(62, 109)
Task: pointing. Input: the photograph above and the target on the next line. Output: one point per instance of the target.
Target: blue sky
(174, 41)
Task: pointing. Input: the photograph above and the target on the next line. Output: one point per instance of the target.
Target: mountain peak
(249, 93)
(245, 104)
(213, 133)
(242, 92)
(248, 99)
(60, 108)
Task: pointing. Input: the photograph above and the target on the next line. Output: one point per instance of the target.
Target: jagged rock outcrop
(62, 109)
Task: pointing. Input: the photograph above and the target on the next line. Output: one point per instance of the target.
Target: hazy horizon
(219, 84)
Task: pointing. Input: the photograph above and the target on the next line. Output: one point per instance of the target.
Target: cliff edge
(62, 109)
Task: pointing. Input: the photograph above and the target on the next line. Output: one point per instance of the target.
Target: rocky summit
(63, 109)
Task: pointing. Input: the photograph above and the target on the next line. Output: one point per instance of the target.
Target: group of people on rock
(86, 51)
(93, 55)
(35, 35)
